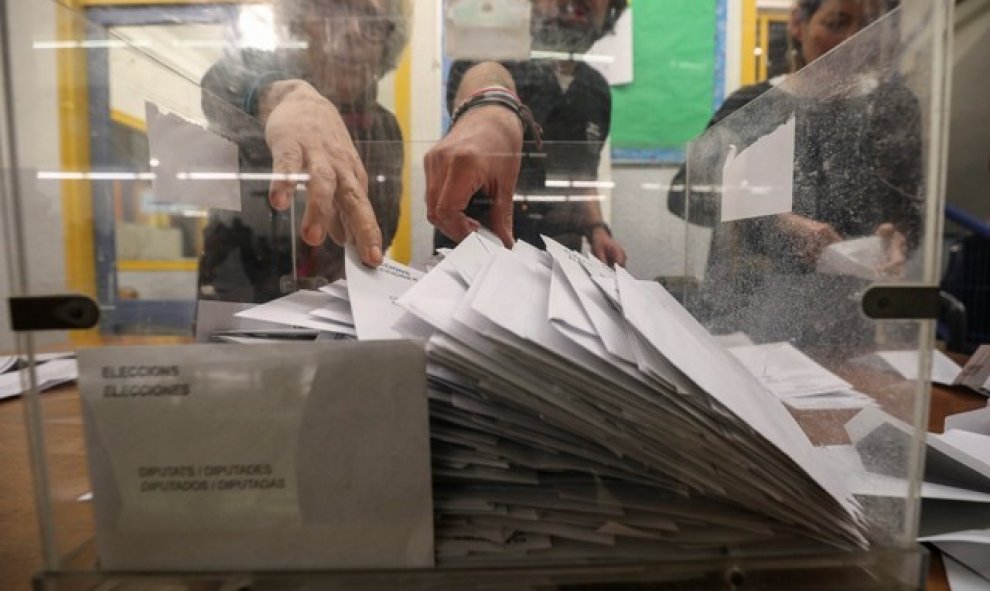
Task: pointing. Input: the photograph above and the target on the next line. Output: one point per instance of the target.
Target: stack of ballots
(578, 414)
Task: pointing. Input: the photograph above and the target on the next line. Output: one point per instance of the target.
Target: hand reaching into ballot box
(810, 238)
(481, 153)
(307, 137)
(606, 248)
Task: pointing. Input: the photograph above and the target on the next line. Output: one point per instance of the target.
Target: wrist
(596, 230)
(498, 97)
(279, 91)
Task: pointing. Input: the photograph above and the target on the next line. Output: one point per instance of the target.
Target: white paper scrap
(944, 370)
(759, 181)
(962, 578)
(974, 421)
(859, 257)
(193, 165)
(48, 374)
(786, 371)
(976, 373)
(294, 310)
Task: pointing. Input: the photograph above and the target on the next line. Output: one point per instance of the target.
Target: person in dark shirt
(314, 112)
(857, 172)
(551, 189)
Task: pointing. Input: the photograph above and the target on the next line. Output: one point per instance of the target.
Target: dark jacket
(857, 165)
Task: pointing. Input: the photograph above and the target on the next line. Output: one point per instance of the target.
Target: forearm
(591, 211)
(483, 75)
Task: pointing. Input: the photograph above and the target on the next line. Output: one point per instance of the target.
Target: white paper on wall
(759, 181)
(191, 165)
(612, 55)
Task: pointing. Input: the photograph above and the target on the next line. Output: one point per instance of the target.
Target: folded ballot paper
(859, 257)
(579, 414)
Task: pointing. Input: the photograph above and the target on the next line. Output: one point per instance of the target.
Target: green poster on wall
(670, 99)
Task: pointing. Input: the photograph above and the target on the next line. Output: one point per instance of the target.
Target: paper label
(288, 456)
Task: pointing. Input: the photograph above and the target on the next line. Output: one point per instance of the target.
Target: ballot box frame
(75, 566)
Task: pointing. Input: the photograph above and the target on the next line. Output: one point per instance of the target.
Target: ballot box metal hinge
(901, 302)
(52, 312)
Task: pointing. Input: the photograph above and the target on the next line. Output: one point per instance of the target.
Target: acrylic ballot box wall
(481, 417)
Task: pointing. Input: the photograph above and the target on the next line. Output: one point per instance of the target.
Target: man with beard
(481, 174)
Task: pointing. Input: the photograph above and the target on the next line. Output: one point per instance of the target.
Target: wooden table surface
(20, 549)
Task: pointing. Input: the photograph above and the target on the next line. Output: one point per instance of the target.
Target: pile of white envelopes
(580, 414)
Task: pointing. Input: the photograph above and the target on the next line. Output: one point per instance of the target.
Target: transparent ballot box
(273, 337)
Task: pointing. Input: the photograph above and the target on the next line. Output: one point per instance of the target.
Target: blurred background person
(857, 172)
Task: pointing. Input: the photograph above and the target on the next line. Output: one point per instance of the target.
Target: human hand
(607, 249)
(896, 246)
(808, 237)
(307, 136)
(482, 152)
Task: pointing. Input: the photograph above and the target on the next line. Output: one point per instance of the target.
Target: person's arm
(309, 141)
(250, 99)
(482, 151)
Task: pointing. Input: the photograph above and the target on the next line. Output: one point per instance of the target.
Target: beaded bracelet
(499, 95)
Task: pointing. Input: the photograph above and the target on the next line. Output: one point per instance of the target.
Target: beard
(554, 34)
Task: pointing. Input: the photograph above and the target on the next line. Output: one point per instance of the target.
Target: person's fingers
(609, 252)
(896, 246)
(459, 186)
(830, 235)
(320, 194)
(287, 165)
(885, 231)
(500, 215)
(434, 184)
(335, 227)
(619, 257)
(599, 252)
(892, 268)
(358, 216)
(312, 229)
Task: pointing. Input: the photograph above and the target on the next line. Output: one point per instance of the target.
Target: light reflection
(89, 44)
(557, 198)
(591, 58)
(60, 175)
(256, 25)
(580, 184)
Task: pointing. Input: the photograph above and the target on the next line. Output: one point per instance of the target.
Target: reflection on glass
(857, 173)
(316, 98)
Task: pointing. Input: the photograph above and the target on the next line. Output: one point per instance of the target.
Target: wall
(969, 130)
(656, 241)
